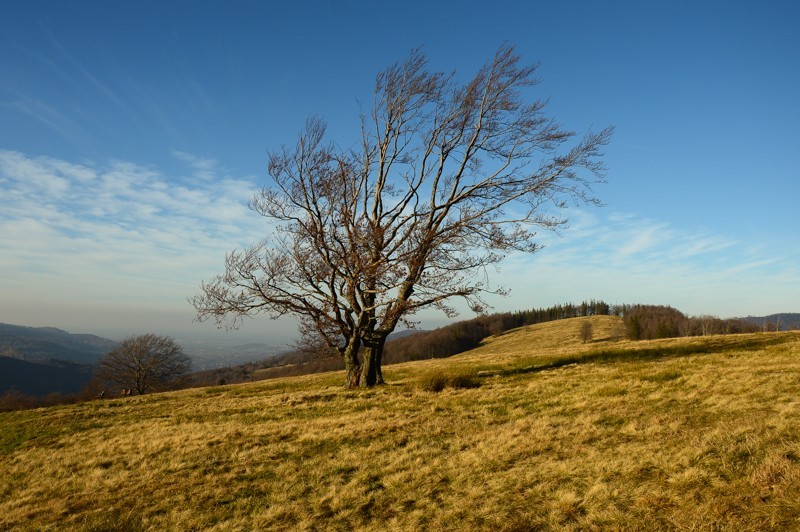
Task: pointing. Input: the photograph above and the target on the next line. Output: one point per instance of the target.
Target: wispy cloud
(203, 168)
(43, 114)
(643, 238)
(85, 74)
(624, 257)
(116, 231)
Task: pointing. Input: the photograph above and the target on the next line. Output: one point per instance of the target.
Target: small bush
(464, 380)
(16, 400)
(438, 381)
(435, 382)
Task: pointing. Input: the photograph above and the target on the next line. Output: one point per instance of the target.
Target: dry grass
(697, 433)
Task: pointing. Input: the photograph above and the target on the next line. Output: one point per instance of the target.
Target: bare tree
(445, 180)
(586, 333)
(708, 324)
(144, 363)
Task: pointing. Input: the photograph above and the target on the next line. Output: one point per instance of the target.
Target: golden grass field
(541, 431)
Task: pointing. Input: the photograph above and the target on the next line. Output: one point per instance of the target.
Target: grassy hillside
(540, 430)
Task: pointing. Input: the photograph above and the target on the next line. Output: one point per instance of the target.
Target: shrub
(439, 380)
(464, 380)
(13, 399)
(435, 382)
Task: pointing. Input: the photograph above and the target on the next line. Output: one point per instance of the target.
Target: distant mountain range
(42, 378)
(41, 360)
(38, 344)
(784, 321)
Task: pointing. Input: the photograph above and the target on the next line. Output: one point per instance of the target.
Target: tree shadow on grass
(636, 354)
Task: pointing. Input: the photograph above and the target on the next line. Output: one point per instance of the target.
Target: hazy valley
(45, 360)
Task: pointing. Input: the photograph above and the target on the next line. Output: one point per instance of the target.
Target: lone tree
(445, 180)
(144, 363)
(586, 332)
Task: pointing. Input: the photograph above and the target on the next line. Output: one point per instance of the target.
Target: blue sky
(133, 134)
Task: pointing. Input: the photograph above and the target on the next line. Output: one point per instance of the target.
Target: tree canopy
(144, 363)
(446, 179)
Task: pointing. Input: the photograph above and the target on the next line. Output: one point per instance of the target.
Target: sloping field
(534, 430)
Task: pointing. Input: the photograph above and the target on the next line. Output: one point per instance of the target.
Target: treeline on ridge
(642, 322)
(465, 335)
(650, 322)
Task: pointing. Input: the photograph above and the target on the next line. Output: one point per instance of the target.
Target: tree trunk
(371, 372)
(351, 365)
(368, 367)
(379, 361)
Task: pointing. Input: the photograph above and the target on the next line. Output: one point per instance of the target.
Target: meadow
(535, 429)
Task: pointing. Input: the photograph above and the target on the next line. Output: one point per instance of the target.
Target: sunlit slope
(553, 337)
(700, 433)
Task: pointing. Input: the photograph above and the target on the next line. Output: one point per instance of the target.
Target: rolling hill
(47, 343)
(784, 321)
(42, 378)
(535, 429)
(42, 360)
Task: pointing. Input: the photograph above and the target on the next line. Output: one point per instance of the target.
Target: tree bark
(379, 362)
(351, 365)
(371, 371)
(369, 367)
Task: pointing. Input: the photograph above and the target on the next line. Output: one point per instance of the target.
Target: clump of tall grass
(439, 380)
